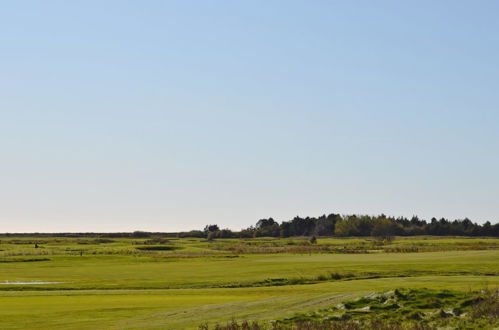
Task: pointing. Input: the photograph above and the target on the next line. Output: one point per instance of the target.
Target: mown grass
(164, 270)
(180, 283)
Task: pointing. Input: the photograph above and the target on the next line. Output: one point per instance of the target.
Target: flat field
(180, 283)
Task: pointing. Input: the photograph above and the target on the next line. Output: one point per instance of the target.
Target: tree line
(352, 225)
(325, 225)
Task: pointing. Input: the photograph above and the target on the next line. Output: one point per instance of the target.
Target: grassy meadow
(182, 283)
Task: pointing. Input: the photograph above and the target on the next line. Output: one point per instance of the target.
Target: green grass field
(181, 283)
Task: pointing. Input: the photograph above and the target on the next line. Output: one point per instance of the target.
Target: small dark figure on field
(36, 245)
(313, 240)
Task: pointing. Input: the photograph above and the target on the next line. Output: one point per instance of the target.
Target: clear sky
(168, 115)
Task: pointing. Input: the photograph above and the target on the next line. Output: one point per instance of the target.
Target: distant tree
(324, 226)
(487, 229)
(262, 223)
(494, 230)
(365, 225)
(302, 226)
(268, 231)
(347, 226)
(285, 230)
(225, 233)
(247, 233)
(384, 229)
(211, 228)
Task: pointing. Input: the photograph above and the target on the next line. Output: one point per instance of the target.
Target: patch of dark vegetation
(304, 246)
(404, 306)
(401, 309)
(24, 242)
(279, 282)
(24, 260)
(95, 241)
(287, 247)
(336, 276)
(472, 301)
(457, 247)
(159, 248)
(155, 241)
(329, 276)
(316, 325)
(268, 282)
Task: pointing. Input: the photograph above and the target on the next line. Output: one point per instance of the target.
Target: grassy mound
(394, 310)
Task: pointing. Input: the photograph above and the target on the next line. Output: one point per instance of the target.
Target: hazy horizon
(160, 116)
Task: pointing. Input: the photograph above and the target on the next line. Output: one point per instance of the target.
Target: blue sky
(168, 115)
